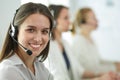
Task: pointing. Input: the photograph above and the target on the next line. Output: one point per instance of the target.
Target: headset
(13, 33)
(54, 22)
(83, 21)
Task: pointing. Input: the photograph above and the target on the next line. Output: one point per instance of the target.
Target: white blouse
(56, 63)
(14, 69)
(87, 55)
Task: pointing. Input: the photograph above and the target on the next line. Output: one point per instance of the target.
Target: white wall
(45, 2)
(7, 10)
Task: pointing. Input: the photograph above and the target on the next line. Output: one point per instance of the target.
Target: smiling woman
(29, 31)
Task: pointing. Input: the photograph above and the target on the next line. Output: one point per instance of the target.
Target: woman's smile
(35, 46)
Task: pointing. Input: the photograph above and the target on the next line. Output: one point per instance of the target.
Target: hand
(106, 77)
(114, 76)
(118, 66)
(110, 76)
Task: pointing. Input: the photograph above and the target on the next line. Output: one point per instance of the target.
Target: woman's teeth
(35, 46)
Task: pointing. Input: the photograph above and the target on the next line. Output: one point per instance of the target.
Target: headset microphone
(12, 33)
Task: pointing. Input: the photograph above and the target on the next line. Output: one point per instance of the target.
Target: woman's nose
(38, 37)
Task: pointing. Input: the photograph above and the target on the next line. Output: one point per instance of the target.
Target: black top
(66, 59)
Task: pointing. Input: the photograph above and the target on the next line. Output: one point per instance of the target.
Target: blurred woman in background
(61, 63)
(83, 45)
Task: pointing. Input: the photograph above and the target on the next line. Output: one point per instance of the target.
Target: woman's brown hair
(55, 10)
(21, 14)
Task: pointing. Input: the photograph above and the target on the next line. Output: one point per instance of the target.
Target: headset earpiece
(12, 31)
(54, 22)
(83, 21)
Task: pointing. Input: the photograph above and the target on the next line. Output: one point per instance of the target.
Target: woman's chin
(36, 53)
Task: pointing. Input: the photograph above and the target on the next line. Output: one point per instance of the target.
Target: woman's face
(91, 20)
(34, 33)
(63, 20)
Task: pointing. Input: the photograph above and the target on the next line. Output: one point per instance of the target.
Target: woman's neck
(58, 35)
(87, 34)
(85, 31)
(27, 60)
(58, 38)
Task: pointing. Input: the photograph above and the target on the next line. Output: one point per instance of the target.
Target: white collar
(15, 60)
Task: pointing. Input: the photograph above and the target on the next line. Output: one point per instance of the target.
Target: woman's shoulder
(6, 65)
(45, 70)
(10, 63)
(8, 71)
(42, 66)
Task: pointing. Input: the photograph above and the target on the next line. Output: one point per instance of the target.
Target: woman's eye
(45, 32)
(31, 30)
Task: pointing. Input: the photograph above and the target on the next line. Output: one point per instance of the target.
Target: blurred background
(107, 36)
